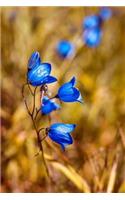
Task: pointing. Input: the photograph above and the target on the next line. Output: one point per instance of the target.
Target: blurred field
(96, 160)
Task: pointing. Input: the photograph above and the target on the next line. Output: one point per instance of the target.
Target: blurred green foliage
(95, 162)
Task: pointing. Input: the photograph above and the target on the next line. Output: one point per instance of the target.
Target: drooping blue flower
(60, 133)
(40, 74)
(92, 37)
(105, 13)
(34, 60)
(68, 93)
(65, 48)
(48, 105)
(92, 21)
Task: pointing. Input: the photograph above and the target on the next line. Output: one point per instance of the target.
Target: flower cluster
(92, 33)
(38, 74)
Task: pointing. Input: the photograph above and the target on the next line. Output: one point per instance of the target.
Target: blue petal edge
(34, 60)
(80, 99)
(73, 81)
(63, 145)
(67, 128)
(49, 79)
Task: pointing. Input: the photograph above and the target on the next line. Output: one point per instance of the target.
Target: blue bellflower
(92, 21)
(60, 133)
(65, 48)
(39, 73)
(92, 37)
(105, 13)
(68, 93)
(48, 105)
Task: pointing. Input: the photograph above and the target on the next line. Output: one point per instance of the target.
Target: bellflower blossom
(48, 105)
(68, 93)
(92, 27)
(65, 48)
(92, 21)
(92, 37)
(39, 73)
(60, 133)
(105, 13)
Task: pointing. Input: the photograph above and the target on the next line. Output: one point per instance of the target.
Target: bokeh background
(96, 160)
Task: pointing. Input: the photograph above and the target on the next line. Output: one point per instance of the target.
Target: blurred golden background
(96, 160)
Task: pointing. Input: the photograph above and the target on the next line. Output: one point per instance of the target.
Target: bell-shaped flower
(92, 21)
(92, 37)
(34, 60)
(65, 48)
(40, 75)
(48, 105)
(60, 133)
(68, 93)
(105, 13)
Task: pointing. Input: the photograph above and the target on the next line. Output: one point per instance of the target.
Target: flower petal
(49, 79)
(68, 94)
(73, 81)
(67, 85)
(91, 21)
(80, 99)
(92, 37)
(44, 99)
(105, 13)
(65, 128)
(64, 87)
(48, 106)
(60, 137)
(37, 74)
(34, 60)
(65, 48)
(66, 143)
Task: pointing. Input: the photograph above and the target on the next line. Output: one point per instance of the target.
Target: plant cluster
(38, 76)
